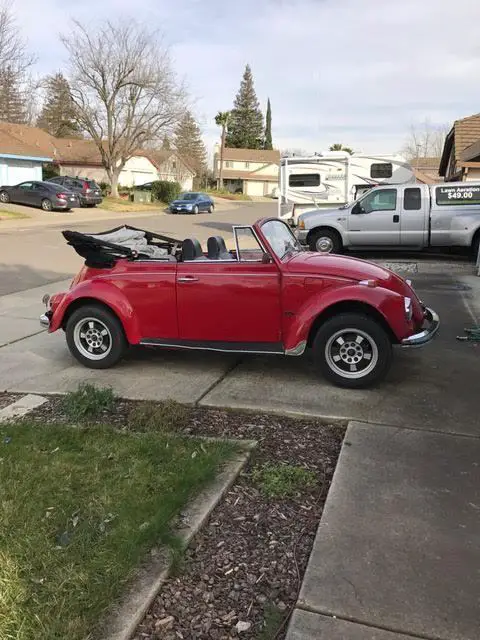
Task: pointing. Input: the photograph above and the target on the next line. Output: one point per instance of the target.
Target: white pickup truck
(408, 216)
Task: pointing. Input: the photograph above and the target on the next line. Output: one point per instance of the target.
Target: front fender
(104, 293)
(388, 303)
(328, 224)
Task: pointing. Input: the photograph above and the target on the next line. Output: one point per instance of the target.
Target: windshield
(280, 238)
(188, 196)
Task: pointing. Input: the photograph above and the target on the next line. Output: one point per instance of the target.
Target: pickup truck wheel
(352, 350)
(325, 241)
(95, 337)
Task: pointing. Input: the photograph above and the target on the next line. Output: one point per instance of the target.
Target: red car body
(274, 304)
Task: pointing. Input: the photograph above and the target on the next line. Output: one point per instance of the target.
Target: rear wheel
(95, 337)
(4, 197)
(47, 204)
(325, 241)
(352, 350)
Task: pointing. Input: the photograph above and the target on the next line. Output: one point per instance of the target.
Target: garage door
(21, 170)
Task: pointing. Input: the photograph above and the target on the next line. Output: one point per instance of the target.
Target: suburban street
(33, 252)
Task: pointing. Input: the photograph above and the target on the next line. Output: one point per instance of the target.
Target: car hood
(314, 214)
(183, 202)
(331, 265)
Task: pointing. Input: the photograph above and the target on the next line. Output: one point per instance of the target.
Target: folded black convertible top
(99, 253)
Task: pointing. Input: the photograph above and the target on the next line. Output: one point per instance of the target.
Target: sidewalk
(397, 551)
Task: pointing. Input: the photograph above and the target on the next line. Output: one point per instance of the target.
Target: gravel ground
(241, 574)
(7, 398)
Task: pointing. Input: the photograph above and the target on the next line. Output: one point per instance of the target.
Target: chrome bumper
(44, 321)
(427, 334)
(302, 235)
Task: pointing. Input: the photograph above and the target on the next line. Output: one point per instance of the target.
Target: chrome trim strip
(427, 334)
(298, 350)
(145, 343)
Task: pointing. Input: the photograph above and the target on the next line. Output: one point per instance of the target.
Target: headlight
(408, 308)
(301, 224)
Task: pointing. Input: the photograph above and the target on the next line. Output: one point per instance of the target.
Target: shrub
(88, 402)
(105, 188)
(165, 191)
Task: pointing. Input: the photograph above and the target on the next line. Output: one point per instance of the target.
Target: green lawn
(7, 214)
(80, 507)
(125, 206)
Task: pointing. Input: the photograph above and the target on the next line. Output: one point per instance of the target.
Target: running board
(275, 348)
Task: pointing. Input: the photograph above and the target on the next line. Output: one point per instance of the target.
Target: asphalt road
(37, 255)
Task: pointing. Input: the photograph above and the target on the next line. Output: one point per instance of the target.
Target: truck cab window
(385, 200)
(412, 199)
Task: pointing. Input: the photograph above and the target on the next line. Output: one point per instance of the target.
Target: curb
(122, 623)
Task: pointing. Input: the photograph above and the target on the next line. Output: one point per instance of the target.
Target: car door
(231, 304)
(22, 193)
(375, 219)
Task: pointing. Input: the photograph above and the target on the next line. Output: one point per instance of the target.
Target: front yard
(81, 507)
(125, 206)
(9, 214)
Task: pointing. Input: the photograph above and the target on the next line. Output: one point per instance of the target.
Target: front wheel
(325, 241)
(352, 351)
(46, 204)
(195, 209)
(210, 209)
(95, 337)
(4, 197)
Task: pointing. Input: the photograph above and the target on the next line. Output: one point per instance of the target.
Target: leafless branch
(13, 49)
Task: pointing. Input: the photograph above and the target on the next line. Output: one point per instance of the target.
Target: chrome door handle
(188, 279)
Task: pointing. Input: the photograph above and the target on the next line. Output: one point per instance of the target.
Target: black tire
(325, 241)
(361, 362)
(211, 208)
(475, 245)
(195, 210)
(47, 205)
(95, 319)
(4, 197)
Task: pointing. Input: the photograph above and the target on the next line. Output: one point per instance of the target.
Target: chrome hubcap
(4, 197)
(351, 353)
(324, 244)
(92, 338)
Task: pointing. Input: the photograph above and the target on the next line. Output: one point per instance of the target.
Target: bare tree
(13, 48)
(221, 120)
(425, 140)
(124, 88)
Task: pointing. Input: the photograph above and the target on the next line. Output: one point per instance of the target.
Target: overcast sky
(360, 72)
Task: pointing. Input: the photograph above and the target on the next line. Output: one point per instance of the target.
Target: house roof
(20, 140)
(159, 156)
(252, 155)
(248, 175)
(471, 152)
(425, 178)
(462, 135)
(430, 163)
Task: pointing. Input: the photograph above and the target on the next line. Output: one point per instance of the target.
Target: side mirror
(357, 209)
(266, 258)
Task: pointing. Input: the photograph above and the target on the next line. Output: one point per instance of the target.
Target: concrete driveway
(434, 387)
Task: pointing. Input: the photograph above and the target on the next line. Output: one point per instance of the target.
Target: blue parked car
(192, 202)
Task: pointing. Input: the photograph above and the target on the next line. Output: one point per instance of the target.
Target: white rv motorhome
(333, 179)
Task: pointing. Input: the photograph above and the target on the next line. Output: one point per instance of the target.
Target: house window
(247, 165)
(381, 170)
(229, 164)
(304, 180)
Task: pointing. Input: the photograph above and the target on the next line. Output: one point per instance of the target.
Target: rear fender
(387, 303)
(103, 293)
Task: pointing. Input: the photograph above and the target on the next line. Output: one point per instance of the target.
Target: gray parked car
(46, 195)
(88, 192)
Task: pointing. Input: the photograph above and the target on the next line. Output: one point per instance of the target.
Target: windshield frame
(192, 195)
(295, 247)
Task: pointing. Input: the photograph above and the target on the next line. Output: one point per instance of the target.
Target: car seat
(192, 250)
(217, 249)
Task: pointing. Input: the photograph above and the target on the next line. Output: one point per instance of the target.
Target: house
(253, 172)
(82, 158)
(23, 151)
(426, 169)
(461, 153)
(21, 156)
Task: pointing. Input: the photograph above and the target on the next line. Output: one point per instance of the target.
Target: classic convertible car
(266, 296)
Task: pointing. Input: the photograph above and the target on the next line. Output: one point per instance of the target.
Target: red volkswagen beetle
(266, 296)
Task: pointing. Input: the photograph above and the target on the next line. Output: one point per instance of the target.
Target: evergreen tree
(245, 127)
(268, 128)
(189, 144)
(58, 113)
(13, 106)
